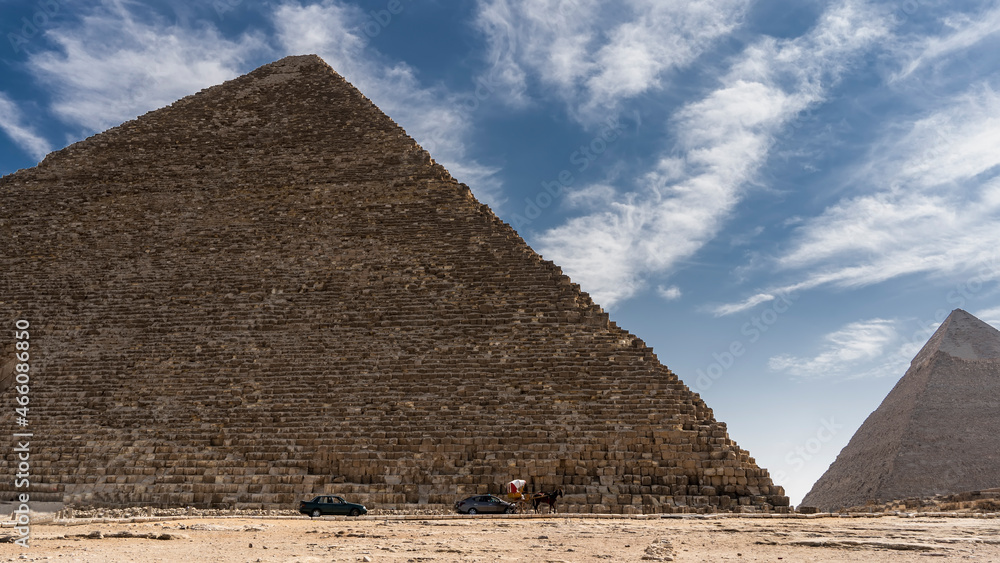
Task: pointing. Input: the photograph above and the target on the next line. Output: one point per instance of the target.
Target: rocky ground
(418, 538)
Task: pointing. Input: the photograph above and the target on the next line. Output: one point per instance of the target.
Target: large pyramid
(936, 432)
(267, 290)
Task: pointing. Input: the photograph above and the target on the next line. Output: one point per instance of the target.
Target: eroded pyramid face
(937, 432)
(268, 291)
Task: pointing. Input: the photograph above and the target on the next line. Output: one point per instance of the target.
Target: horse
(548, 498)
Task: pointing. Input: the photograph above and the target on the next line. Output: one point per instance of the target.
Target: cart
(516, 495)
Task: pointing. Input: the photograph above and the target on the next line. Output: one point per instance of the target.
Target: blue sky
(783, 198)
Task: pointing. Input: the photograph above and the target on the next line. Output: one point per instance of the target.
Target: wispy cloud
(849, 352)
(935, 211)
(722, 140)
(989, 316)
(966, 32)
(498, 22)
(593, 53)
(13, 124)
(437, 119)
(930, 204)
(745, 305)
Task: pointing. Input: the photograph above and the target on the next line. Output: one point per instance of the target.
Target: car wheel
(316, 513)
(472, 511)
(355, 512)
(510, 510)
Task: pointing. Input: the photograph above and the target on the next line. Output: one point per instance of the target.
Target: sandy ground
(540, 539)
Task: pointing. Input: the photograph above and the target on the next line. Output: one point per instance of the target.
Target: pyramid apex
(294, 64)
(963, 336)
(298, 60)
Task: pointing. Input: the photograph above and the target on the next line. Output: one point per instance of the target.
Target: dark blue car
(331, 504)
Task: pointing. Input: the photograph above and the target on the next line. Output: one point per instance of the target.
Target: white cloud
(669, 293)
(722, 139)
(497, 23)
(12, 123)
(954, 144)
(968, 32)
(589, 197)
(850, 351)
(989, 316)
(746, 304)
(659, 37)
(437, 119)
(597, 53)
(597, 251)
(935, 209)
(931, 207)
(113, 67)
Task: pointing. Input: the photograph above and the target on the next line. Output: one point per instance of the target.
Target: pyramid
(267, 290)
(936, 432)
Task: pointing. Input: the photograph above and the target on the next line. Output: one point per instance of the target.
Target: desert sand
(547, 538)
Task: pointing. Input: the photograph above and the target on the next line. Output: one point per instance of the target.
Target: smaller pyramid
(936, 432)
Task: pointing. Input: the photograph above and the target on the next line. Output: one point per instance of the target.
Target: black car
(485, 504)
(331, 504)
